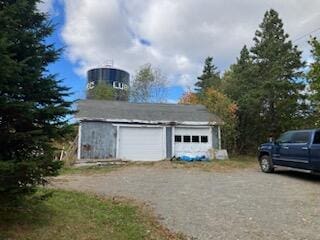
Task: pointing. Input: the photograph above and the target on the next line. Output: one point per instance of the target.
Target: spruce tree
(210, 77)
(239, 79)
(278, 70)
(314, 72)
(33, 108)
(239, 83)
(313, 77)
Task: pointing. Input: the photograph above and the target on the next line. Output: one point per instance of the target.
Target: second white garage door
(141, 143)
(192, 142)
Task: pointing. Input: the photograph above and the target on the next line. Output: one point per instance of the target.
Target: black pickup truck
(295, 149)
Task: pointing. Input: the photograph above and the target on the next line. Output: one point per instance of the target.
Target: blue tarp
(195, 158)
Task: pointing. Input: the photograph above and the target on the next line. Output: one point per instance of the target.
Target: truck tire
(266, 164)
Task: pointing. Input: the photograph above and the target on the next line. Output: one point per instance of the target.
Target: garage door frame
(118, 126)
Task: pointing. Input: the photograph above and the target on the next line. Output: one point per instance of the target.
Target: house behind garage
(145, 132)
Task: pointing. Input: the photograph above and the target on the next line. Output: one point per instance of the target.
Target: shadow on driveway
(300, 175)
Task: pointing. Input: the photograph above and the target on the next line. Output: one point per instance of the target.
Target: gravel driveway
(243, 204)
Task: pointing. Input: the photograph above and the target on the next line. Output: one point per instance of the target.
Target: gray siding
(215, 137)
(98, 140)
(169, 141)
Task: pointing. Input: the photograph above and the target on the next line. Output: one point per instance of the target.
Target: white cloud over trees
(174, 35)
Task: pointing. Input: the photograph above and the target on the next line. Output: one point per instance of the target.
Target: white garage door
(192, 142)
(141, 143)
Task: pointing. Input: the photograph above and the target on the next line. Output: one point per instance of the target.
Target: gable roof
(119, 111)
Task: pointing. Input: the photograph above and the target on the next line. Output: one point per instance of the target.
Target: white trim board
(219, 137)
(79, 142)
(190, 123)
(172, 141)
(117, 141)
(137, 125)
(164, 142)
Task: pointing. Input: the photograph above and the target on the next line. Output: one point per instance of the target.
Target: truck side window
(300, 137)
(285, 137)
(316, 138)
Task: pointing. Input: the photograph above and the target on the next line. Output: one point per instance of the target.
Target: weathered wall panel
(169, 141)
(98, 140)
(215, 137)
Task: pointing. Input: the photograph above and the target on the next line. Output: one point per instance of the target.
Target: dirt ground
(241, 204)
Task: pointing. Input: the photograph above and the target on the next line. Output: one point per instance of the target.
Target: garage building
(145, 131)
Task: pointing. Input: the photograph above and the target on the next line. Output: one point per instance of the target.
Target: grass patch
(88, 170)
(72, 215)
(234, 163)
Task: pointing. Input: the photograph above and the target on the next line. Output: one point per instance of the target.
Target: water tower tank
(117, 78)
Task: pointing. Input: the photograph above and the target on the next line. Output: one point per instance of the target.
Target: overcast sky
(174, 35)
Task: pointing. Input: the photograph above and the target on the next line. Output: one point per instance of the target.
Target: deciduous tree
(219, 104)
(149, 85)
(189, 98)
(101, 91)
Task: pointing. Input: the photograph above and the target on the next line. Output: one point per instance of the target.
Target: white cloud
(174, 35)
(45, 6)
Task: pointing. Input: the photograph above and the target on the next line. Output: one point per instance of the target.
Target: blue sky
(64, 67)
(173, 35)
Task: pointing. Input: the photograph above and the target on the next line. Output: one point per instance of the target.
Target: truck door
(295, 151)
(281, 147)
(315, 152)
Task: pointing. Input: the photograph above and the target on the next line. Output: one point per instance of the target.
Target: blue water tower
(117, 78)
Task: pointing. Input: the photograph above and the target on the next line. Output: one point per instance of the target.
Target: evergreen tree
(266, 85)
(240, 79)
(32, 106)
(314, 83)
(314, 72)
(210, 77)
(239, 83)
(278, 71)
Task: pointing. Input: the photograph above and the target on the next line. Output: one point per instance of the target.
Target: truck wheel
(266, 164)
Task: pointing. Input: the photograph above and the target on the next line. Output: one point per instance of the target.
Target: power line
(307, 34)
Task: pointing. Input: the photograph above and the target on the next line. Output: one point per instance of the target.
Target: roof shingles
(144, 112)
